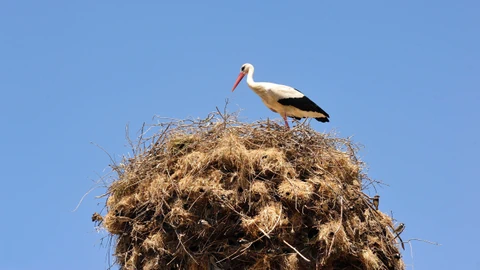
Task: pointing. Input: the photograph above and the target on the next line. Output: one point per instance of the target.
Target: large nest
(220, 194)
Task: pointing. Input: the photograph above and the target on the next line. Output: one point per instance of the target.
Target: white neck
(252, 84)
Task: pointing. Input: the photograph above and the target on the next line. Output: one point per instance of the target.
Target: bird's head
(245, 68)
(243, 71)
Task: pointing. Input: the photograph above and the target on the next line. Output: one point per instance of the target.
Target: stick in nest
(292, 247)
(184, 248)
(339, 226)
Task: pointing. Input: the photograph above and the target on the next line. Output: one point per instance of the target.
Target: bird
(376, 201)
(282, 99)
(399, 229)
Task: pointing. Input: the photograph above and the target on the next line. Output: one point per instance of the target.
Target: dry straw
(222, 194)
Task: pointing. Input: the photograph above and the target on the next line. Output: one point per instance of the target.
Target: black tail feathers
(322, 119)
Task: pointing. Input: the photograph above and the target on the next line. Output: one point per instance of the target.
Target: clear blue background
(402, 77)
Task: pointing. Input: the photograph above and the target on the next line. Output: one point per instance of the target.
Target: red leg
(286, 122)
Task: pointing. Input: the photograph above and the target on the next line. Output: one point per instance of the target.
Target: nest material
(220, 194)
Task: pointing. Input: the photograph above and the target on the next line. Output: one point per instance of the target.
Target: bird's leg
(286, 122)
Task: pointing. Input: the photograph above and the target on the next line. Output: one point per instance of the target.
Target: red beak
(239, 79)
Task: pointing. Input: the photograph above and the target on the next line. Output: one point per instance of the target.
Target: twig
(264, 233)
(292, 247)
(220, 113)
(225, 108)
(140, 139)
(401, 241)
(184, 248)
(83, 197)
(251, 243)
(274, 225)
(422, 240)
(105, 151)
(339, 226)
(162, 135)
(101, 196)
(127, 137)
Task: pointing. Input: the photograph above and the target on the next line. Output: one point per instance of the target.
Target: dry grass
(221, 194)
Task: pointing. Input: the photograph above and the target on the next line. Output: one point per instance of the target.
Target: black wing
(304, 104)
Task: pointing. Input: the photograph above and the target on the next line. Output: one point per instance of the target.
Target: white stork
(282, 99)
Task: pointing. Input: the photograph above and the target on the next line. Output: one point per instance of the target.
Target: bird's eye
(243, 68)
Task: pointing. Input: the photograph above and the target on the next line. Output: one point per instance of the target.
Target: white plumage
(282, 99)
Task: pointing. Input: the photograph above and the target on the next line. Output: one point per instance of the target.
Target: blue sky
(402, 77)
